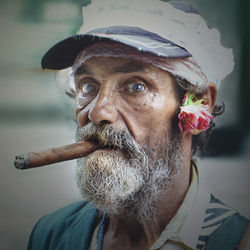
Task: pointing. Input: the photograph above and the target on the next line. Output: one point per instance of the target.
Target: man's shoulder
(229, 234)
(61, 229)
(223, 227)
(67, 215)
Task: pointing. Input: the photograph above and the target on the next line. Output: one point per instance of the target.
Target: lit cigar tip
(19, 161)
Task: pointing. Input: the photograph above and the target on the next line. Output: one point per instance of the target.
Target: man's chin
(106, 179)
(104, 159)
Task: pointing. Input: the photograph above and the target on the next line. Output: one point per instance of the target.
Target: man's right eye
(89, 88)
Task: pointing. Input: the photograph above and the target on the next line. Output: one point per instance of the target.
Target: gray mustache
(107, 136)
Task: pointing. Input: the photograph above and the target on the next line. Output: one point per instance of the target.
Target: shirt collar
(185, 226)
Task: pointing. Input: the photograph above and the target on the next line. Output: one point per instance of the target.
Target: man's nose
(103, 109)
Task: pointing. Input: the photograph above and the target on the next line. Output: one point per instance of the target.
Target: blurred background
(35, 114)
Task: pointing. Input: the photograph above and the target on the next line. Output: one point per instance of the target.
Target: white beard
(120, 186)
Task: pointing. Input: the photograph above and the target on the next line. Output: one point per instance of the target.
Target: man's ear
(210, 96)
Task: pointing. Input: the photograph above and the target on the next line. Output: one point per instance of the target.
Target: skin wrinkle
(132, 101)
(130, 67)
(153, 176)
(141, 172)
(83, 69)
(143, 188)
(185, 68)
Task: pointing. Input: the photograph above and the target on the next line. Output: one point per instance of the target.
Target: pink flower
(193, 115)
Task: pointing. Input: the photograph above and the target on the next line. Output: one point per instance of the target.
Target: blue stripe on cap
(131, 31)
(63, 54)
(186, 7)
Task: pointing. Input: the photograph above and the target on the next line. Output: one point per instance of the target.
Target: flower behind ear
(194, 116)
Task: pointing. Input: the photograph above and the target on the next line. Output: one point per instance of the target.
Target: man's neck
(124, 232)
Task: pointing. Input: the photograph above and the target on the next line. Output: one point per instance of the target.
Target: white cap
(185, 29)
(161, 25)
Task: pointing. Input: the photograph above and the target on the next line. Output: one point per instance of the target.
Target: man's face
(127, 107)
(131, 95)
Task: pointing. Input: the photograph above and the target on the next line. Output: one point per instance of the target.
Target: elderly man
(144, 75)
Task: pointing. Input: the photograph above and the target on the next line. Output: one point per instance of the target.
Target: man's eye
(88, 88)
(136, 87)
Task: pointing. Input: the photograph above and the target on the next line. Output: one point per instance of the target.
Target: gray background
(34, 115)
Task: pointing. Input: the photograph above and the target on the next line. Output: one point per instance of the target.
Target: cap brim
(63, 54)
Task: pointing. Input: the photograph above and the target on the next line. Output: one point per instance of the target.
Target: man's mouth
(106, 146)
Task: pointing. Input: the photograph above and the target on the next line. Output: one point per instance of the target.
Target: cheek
(159, 106)
(141, 104)
(82, 101)
(82, 107)
(161, 113)
(152, 116)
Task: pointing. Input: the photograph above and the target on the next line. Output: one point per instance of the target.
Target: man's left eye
(136, 87)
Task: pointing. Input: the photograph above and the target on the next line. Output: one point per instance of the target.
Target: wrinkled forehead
(184, 68)
(113, 65)
(134, 59)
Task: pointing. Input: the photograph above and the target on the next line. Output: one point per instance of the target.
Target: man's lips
(106, 148)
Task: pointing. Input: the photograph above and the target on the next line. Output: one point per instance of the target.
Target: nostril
(103, 114)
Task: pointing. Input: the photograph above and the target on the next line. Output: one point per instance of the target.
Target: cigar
(54, 155)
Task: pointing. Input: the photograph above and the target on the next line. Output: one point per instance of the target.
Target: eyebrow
(128, 67)
(83, 69)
